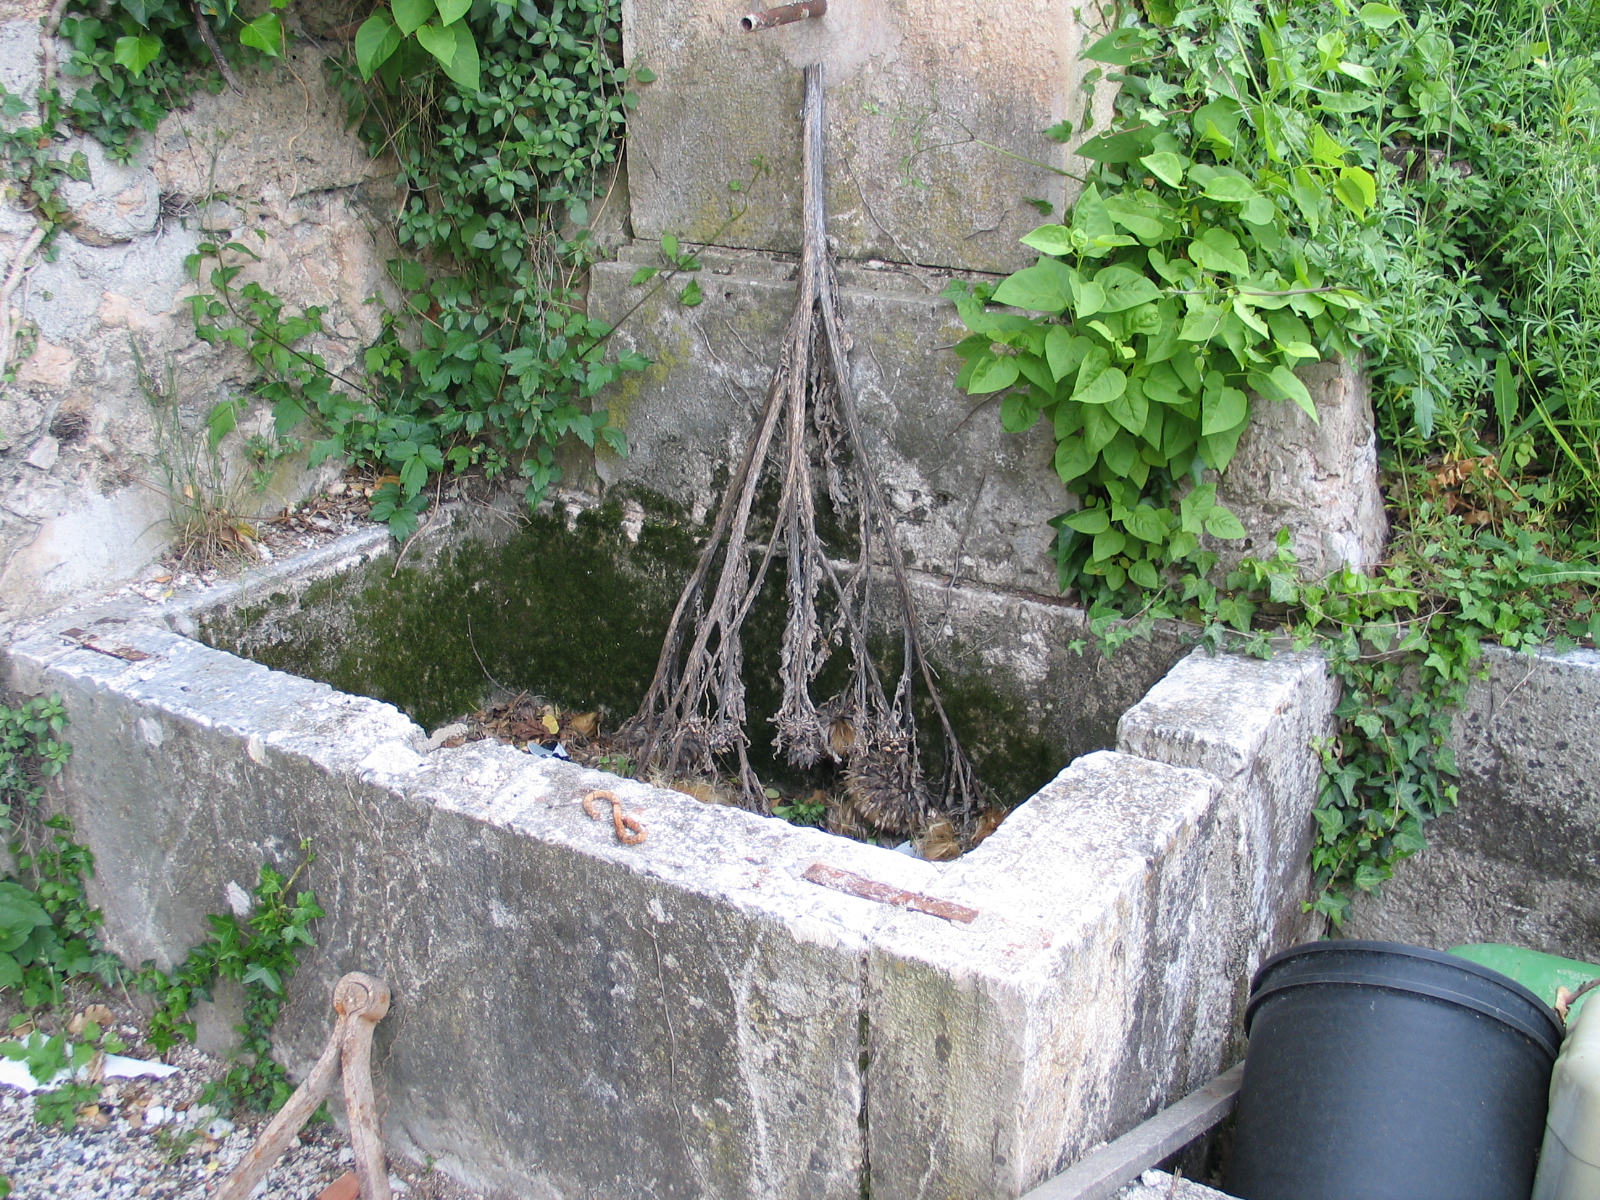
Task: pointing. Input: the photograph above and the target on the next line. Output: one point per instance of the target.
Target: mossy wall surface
(575, 611)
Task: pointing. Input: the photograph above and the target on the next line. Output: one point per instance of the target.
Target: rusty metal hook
(359, 1003)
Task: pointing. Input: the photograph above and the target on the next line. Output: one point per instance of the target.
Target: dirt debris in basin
(154, 1138)
(535, 726)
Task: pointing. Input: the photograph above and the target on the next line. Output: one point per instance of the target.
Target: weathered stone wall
(690, 1017)
(971, 501)
(82, 468)
(1519, 860)
(915, 91)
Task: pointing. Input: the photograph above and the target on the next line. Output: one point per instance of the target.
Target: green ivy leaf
(265, 34)
(451, 11)
(691, 295)
(136, 53)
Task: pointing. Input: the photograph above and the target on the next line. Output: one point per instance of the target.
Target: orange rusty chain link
(359, 1002)
(630, 830)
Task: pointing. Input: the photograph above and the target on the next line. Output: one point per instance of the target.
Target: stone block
(1318, 479)
(936, 114)
(972, 501)
(1519, 860)
(1251, 723)
(117, 203)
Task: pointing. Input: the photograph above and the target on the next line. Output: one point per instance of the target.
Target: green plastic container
(1540, 973)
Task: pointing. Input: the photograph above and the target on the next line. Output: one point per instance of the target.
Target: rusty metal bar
(768, 18)
(852, 884)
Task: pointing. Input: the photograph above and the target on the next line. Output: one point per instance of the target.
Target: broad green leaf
(1109, 544)
(1218, 123)
(1063, 351)
(1223, 524)
(1356, 189)
(1146, 524)
(1091, 299)
(1202, 323)
(1232, 189)
(454, 47)
(410, 14)
(1050, 239)
(451, 11)
(1118, 48)
(1017, 414)
(1222, 408)
(1124, 288)
(1118, 147)
(1131, 410)
(992, 372)
(1121, 456)
(1166, 166)
(136, 53)
(1074, 459)
(1045, 287)
(1289, 383)
(1136, 212)
(1163, 386)
(1324, 149)
(1098, 381)
(265, 34)
(1357, 71)
(1218, 250)
(1091, 521)
(691, 296)
(376, 41)
(141, 10)
(1380, 16)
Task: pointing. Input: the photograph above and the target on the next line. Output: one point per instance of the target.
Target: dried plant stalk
(695, 711)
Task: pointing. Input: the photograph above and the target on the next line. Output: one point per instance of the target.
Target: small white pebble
(346, 1155)
(219, 1128)
(398, 1185)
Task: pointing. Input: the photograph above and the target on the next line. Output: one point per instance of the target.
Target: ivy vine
(1257, 205)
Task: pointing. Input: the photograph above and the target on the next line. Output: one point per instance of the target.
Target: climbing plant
(1283, 183)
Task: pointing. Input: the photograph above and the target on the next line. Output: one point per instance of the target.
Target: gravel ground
(153, 1138)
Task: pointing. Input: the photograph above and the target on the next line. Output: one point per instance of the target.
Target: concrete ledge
(689, 1017)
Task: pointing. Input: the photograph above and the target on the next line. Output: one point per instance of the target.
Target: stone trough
(693, 1016)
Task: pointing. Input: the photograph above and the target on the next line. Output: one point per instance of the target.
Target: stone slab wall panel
(1519, 860)
(914, 92)
(82, 467)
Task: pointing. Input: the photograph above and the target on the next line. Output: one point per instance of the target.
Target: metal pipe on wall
(769, 18)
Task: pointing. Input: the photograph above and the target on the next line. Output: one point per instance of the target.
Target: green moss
(577, 615)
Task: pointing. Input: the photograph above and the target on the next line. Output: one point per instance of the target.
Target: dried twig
(209, 37)
(695, 708)
(19, 267)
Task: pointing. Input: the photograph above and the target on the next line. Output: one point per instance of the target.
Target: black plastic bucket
(1385, 1072)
